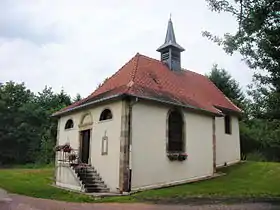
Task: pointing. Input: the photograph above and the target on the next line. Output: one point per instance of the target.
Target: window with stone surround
(227, 119)
(69, 124)
(175, 132)
(106, 115)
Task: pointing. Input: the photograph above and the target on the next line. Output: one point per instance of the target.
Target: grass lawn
(251, 179)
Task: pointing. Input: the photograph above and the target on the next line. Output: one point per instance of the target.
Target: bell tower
(170, 50)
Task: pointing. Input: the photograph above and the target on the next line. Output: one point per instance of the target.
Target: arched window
(175, 132)
(106, 115)
(69, 124)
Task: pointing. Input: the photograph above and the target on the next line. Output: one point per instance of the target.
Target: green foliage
(229, 86)
(37, 182)
(258, 37)
(77, 98)
(245, 180)
(28, 133)
(258, 41)
(256, 156)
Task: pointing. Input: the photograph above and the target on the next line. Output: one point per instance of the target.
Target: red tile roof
(149, 78)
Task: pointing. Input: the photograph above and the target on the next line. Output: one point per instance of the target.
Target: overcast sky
(74, 45)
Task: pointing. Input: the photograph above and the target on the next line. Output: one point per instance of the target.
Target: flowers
(72, 157)
(177, 156)
(65, 148)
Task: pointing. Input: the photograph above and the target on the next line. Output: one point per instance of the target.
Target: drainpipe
(214, 143)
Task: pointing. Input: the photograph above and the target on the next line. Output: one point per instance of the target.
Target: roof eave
(142, 97)
(180, 105)
(230, 111)
(166, 45)
(85, 105)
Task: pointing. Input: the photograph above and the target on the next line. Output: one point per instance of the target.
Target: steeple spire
(170, 50)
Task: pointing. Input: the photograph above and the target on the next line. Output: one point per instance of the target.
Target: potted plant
(65, 148)
(182, 156)
(177, 156)
(72, 157)
(172, 156)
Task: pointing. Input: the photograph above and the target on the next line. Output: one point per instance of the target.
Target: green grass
(251, 179)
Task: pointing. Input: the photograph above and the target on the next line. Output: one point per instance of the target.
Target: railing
(71, 158)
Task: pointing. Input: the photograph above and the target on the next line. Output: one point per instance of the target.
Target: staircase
(90, 179)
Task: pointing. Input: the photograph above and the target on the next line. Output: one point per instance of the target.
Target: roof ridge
(154, 59)
(114, 73)
(147, 57)
(135, 67)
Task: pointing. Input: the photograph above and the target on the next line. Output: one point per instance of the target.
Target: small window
(69, 124)
(106, 115)
(104, 146)
(175, 132)
(227, 124)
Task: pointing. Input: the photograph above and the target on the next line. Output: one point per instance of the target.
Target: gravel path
(27, 203)
(19, 202)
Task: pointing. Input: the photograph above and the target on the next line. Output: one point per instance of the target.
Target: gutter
(225, 110)
(142, 97)
(181, 105)
(85, 105)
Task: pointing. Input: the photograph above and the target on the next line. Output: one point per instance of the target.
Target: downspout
(56, 164)
(214, 143)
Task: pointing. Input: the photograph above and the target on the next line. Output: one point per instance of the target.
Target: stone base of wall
(174, 183)
(69, 186)
(228, 164)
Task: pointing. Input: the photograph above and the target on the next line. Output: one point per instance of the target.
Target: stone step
(91, 179)
(93, 190)
(93, 182)
(85, 169)
(97, 185)
(94, 179)
(93, 176)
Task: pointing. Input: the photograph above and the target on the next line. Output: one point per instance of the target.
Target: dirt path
(27, 203)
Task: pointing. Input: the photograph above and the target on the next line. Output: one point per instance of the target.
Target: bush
(256, 156)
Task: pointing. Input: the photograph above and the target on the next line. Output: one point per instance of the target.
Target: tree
(50, 102)
(258, 41)
(27, 131)
(229, 86)
(14, 132)
(100, 84)
(77, 98)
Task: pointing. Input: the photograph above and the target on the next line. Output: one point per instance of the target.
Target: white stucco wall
(65, 177)
(107, 165)
(227, 145)
(150, 165)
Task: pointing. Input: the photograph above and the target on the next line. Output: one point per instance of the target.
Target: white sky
(74, 44)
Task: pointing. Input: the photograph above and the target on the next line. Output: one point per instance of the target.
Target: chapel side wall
(150, 165)
(112, 128)
(227, 145)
